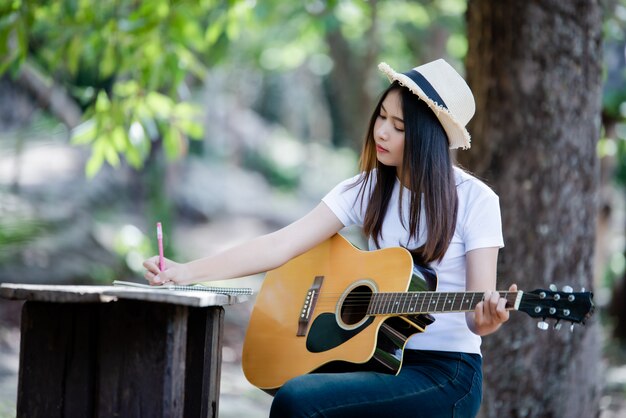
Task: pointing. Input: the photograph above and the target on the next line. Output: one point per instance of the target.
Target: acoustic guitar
(336, 308)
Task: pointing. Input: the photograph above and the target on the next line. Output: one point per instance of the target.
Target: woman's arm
(255, 256)
(490, 314)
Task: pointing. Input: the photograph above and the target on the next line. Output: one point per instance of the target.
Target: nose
(382, 132)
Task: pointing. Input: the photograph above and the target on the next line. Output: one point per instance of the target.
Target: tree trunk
(534, 67)
(349, 100)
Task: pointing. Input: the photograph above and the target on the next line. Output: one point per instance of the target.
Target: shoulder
(364, 181)
(469, 186)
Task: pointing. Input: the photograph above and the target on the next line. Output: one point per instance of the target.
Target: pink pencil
(160, 241)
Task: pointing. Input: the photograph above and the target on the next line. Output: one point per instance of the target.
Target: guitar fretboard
(406, 303)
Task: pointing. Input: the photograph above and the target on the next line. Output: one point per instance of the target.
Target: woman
(408, 194)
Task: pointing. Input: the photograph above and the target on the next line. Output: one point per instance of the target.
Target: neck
(406, 303)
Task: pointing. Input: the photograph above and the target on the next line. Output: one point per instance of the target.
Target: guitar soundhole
(354, 307)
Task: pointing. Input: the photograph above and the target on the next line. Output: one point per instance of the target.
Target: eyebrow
(382, 106)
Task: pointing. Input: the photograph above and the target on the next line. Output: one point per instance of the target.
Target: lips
(380, 149)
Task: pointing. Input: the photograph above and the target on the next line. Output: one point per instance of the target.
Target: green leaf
(172, 142)
(191, 128)
(160, 104)
(126, 88)
(134, 158)
(118, 140)
(72, 55)
(109, 62)
(102, 102)
(84, 133)
(214, 30)
(94, 164)
(110, 154)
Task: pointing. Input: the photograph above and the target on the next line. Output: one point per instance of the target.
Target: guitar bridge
(309, 305)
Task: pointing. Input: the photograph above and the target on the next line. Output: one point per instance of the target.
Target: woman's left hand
(491, 313)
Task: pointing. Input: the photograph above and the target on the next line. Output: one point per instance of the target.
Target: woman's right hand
(176, 273)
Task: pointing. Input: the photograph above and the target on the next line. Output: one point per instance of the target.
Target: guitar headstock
(566, 305)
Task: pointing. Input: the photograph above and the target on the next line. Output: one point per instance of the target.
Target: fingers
(153, 279)
(153, 274)
(479, 313)
(493, 308)
(151, 264)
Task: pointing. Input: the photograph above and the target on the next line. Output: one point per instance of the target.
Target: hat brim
(458, 136)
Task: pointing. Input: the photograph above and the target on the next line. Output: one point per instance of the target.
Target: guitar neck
(407, 303)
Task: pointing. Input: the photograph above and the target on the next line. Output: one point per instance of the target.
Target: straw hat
(445, 92)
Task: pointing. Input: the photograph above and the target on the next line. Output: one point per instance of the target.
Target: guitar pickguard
(325, 334)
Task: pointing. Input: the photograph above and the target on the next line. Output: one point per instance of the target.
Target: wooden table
(108, 351)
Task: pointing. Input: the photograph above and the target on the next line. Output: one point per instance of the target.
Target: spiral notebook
(195, 287)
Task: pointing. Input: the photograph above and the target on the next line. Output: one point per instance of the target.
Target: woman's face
(389, 131)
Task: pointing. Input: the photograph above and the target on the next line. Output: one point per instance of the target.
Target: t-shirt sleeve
(344, 201)
(483, 223)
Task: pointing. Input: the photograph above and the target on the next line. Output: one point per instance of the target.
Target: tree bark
(349, 100)
(50, 95)
(535, 70)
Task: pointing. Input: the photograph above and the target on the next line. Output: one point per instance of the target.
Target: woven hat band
(426, 87)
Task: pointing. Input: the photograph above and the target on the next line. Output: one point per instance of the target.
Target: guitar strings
(363, 299)
(322, 295)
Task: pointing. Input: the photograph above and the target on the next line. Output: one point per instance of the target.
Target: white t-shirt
(478, 226)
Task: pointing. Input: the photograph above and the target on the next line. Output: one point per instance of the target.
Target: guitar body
(290, 334)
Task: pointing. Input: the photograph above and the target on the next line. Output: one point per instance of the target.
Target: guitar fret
(414, 299)
(460, 297)
(374, 304)
(387, 304)
(381, 303)
(434, 297)
(391, 305)
(432, 303)
(404, 300)
(394, 303)
(453, 302)
(467, 301)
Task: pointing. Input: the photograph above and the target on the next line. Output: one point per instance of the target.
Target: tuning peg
(582, 290)
(571, 327)
(558, 325)
(568, 289)
(553, 287)
(542, 325)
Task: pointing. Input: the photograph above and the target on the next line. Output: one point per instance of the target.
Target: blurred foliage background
(222, 119)
(280, 90)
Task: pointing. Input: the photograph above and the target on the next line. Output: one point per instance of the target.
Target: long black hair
(426, 171)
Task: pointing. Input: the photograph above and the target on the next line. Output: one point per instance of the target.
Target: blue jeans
(431, 384)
